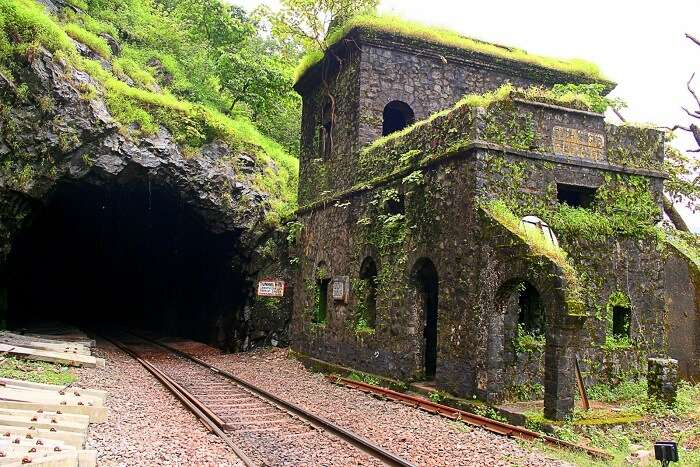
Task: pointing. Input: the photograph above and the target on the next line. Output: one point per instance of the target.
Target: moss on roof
(446, 37)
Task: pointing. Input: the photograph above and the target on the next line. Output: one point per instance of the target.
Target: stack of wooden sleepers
(45, 424)
(41, 348)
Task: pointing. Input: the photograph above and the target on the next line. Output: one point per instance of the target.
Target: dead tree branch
(692, 38)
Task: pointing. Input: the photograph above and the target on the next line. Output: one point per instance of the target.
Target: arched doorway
(397, 116)
(425, 281)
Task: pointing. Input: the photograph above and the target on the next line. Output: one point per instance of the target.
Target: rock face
(59, 132)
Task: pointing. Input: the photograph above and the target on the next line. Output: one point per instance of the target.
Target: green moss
(133, 70)
(686, 244)
(540, 246)
(96, 43)
(444, 37)
(28, 20)
(38, 372)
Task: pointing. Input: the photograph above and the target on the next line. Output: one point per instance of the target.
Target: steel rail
(360, 442)
(489, 424)
(213, 424)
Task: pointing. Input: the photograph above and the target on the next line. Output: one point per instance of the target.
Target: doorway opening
(425, 280)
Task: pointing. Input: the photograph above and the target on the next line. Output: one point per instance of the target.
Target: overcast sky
(638, 44)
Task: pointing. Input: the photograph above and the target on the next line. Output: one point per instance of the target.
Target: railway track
(488, 424)
(260, 427)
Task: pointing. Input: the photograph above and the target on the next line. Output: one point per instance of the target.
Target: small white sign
(271, 288)
(341, 286)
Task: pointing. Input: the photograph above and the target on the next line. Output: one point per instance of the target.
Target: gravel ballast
(415, 435)
(146, 425)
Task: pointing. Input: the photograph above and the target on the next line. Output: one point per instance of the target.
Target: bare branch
(697, 41)
(674, 128)
(692, 91)
(692, 114)
(619, 115)
(674, 215)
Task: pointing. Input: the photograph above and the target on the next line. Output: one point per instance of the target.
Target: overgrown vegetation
(38, 372)
(444, 37)
(540, 246)
(171, 52)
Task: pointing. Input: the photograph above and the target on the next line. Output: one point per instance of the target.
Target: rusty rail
(316, 421)
(489, 424)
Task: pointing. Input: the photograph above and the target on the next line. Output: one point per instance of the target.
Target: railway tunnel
(131, 252)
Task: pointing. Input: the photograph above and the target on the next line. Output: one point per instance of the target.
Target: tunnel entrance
(132, 254)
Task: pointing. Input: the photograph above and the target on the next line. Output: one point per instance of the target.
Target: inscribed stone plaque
(271, 288)
(578, 143)
(341, 288)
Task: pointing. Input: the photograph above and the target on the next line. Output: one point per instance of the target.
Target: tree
(308, 22)
(684, 171)
(253, 78)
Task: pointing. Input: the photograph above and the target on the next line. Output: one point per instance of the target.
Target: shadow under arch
(397, 115)
(425, 284)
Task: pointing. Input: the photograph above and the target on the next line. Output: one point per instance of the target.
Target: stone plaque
(271, 288)
(578, 143)
(341, 288)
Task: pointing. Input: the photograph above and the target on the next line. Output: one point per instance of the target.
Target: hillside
(146, 63)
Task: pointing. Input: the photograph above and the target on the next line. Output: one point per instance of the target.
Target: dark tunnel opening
(131, 254)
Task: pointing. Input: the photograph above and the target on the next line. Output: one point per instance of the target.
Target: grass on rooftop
(446, 37)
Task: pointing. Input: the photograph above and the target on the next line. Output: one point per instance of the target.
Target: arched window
(321, 298)
(397, 116)
(368, 307)
(325, 136)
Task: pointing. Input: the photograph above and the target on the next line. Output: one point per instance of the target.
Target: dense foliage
(203, 51)
(158, 66)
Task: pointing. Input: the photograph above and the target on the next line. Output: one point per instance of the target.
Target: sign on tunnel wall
(271, 288)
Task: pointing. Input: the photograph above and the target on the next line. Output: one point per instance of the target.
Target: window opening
(368, 275)
(575, 196)
(397, 116)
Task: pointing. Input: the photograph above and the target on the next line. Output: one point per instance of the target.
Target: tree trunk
(674, 215)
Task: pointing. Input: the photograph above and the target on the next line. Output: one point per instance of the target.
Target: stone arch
(425, 285)
(519, 304)
(368, 276)
(397, 115)
(200, 215)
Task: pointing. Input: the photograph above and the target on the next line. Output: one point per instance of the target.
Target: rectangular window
(575, 196)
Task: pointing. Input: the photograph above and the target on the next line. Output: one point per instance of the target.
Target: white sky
(638, 44)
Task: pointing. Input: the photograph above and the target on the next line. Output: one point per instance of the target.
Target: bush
(96, 43)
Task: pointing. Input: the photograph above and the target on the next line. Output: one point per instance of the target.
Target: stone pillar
(662, 379)
(559, 379)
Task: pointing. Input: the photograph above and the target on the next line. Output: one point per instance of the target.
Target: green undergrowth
(444, 37)
(142, 110)
(38, 372)
(96, 43)
(634, 424)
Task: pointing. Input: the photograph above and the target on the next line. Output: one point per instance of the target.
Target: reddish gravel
(146, 425)
(413, 434)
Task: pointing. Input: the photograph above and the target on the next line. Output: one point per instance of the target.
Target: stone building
(413, 261)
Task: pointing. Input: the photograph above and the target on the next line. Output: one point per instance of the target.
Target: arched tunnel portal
(129, 252)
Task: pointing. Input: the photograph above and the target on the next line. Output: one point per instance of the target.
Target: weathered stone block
(662, 379)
